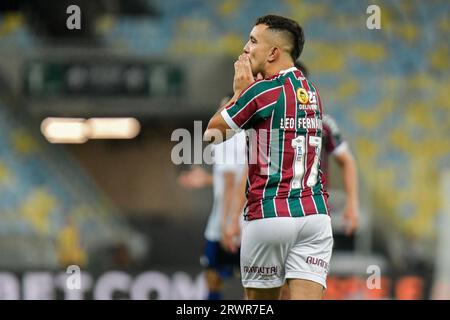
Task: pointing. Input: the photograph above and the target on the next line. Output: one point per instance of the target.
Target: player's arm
(219, 129)
(346, 161)
(229, 190)
(233, 229)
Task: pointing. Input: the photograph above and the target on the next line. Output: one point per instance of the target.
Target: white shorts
(276, 249)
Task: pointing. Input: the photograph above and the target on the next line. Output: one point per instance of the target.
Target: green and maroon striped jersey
(282, 116)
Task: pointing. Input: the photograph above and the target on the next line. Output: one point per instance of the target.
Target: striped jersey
(282, 116)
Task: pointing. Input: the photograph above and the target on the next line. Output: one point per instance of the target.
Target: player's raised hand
(243, 76)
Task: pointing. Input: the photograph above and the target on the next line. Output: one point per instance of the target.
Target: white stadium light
(113, 128)
(64, 130)
(79, 130)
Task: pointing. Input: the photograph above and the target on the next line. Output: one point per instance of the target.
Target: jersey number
(300, 153)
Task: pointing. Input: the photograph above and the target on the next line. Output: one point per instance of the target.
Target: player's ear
(274, 53)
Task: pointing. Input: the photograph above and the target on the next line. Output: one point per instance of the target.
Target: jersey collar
(287, 70)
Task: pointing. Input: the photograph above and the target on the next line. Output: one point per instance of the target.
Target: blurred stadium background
(113, 206)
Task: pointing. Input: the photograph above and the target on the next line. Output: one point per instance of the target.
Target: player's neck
(276, 68)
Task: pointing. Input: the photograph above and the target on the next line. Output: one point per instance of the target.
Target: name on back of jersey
(289, 123)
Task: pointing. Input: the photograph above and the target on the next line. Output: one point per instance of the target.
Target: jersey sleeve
(335, 142)
(251, 104)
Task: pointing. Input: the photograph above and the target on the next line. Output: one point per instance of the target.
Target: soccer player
(287, 233)
(221, 253)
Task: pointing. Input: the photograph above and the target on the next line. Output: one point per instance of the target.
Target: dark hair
(288, 25)
(300, 66)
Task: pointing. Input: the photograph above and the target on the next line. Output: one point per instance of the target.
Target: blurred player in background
(221, 255)
(287, 233)
(335, 146)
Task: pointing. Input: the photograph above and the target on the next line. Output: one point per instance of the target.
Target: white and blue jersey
(229, 156)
